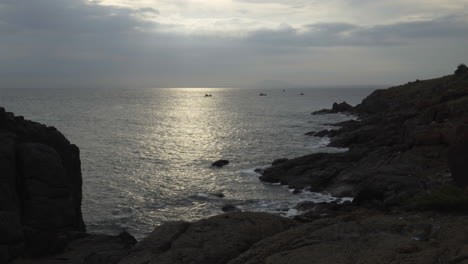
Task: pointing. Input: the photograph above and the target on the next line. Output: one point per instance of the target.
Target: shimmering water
(146, 153)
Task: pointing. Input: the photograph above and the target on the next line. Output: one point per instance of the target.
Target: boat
(262, 94)
(207, 95)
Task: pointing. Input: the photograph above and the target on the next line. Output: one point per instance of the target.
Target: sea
(146, 154)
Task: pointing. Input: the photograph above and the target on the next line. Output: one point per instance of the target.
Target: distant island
(406, 167)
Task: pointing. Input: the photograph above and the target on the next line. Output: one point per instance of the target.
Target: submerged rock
(229, 208)
(220, 163)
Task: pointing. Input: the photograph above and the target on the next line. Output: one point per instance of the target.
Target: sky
(228, 43)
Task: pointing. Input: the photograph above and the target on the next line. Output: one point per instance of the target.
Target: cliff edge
(40, 197)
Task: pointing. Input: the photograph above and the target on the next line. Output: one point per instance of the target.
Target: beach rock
(215, 240)
(40, 190)
(220, 163)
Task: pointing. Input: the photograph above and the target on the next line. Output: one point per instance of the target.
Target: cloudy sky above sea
(228, 43)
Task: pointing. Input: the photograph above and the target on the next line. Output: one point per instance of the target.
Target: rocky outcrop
(366, 237)
(215, 240)
(336, 108)
(40, 197)
(399, 146)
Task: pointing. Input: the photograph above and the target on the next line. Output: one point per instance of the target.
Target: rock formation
(399, 147)
(40, 199)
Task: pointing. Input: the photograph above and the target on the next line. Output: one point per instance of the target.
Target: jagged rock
(336, 108)
(220, 163)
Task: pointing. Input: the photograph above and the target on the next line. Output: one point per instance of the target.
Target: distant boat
(207, 95)
(262, 94)
(302, 93)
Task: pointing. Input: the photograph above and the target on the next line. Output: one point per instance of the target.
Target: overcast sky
(228, 43)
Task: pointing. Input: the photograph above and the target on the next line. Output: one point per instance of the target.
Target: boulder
(220, 163)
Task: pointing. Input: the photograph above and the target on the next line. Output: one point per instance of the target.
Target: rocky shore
(407, 167)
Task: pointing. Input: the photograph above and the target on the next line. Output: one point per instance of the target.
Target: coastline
(405, 146)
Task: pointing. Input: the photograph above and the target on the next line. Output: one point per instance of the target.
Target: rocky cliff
(398, 148)
(40, 197)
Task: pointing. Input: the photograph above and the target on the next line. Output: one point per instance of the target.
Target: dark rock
(89, 249)
(458, 156)
(220, 163)
(336, 108)
(229, 208)
(397, 149)
(214, 240)
(258, 170)
(342, 107)
(40, 188)
(220, 195)
(279, 161)
(365, 236)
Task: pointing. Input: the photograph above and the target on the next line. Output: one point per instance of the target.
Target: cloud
(345, 34)
(77, 43)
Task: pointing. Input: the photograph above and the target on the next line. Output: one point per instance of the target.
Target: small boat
(207, 95)
(302, 93)
(262, 94)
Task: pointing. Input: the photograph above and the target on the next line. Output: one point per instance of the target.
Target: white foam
(252, 171)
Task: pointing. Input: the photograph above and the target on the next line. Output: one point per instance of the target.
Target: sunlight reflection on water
(146, 153)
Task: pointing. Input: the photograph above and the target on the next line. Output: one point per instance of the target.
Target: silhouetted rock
(220, 163)
(40, 197)
(336, 108)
